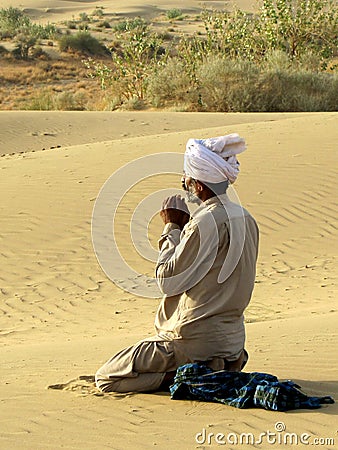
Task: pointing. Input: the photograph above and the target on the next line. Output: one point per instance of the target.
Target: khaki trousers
(139, 368)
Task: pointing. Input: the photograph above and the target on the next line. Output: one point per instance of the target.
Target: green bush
(299, 26)
(294, 90)
(243, 86)
(82, 42)
(43, 32)
(226, 85)
(230, 34)
(173, 13)
(98, 12)
(84, 17)
(133, 104)
(84, 26)
(12, 20)
(71, 24)
(170, 85)
(137, 56)
(104, 24)
(67, 101)
(294, 26)
(274, 60)
(130, 24)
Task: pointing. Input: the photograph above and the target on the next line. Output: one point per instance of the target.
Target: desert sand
(62, 317)
(44, 11)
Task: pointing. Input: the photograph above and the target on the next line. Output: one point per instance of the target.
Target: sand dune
(61, 317)
(53, 11)
(41, 130)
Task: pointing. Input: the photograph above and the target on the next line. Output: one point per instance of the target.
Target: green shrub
(12, 20)
(299, 26)
(43, 32)
(133, 104)
(270, 61)
(243, 86)
(98, 12)
(104, 24)
(227, 85)
(173, 13)
(131, 24)
(294, 26)
(134, 59)
(84, 17)
(295, 90)
(82, 42)
(276, 60)
(83, 26)
(71, 25)
(170, 85)
(230, 34)
(67, 101)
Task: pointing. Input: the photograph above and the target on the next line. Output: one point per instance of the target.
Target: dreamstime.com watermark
(106, 241)
(277, 437)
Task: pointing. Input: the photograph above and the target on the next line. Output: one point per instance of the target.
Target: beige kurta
(200, 316)
(206, 319)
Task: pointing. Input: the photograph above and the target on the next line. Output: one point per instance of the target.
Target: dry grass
(23, 81)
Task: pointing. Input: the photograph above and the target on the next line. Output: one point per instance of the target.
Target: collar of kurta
(216, 199)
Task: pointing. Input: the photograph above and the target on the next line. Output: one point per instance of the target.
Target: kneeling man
(206, 271)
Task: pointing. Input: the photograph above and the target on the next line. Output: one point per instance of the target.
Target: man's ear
(199, 186)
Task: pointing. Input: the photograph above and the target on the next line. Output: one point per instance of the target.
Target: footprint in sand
(83, 385)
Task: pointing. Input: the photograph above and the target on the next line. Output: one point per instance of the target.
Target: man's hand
(176, 216)
(175, 210)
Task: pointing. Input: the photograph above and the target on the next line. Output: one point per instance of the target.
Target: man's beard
(192, 197)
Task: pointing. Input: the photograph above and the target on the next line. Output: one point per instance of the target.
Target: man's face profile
(189, 186)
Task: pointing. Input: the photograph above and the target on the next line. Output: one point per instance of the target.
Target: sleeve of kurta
(185, 257)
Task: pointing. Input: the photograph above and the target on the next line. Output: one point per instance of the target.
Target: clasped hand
(175, 210)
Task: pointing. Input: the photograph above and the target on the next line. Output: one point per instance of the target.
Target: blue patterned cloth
(240, 389)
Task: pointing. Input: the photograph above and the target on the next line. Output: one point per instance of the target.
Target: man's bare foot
(238, 365)
(218, 363)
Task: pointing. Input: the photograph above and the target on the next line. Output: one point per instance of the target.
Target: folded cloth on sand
(240, 389)
(213, 160)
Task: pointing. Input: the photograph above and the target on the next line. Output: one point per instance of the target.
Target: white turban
(213, 160)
